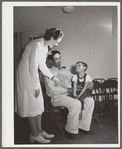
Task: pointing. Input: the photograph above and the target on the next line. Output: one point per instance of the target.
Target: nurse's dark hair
(52, 32)
(84, 64)
(51, 56)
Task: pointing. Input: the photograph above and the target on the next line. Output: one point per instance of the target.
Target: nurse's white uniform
(27, 79)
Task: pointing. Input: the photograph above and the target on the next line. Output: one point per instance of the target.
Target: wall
(90, 35)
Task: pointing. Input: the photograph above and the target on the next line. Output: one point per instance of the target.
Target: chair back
(101, 80)
(48, 107)
(47, 103)
(110, 89)
(97, 93)
(113, 79)
(110, 86)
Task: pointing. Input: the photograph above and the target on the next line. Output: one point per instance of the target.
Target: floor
(106, 132)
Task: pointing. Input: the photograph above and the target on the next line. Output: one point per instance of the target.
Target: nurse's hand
(56, 80)
(37, 92)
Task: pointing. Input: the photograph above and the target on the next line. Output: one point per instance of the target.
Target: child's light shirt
(75, 78)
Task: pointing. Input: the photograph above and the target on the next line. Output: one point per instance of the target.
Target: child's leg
(85, 122)
(87, 93)
(33, 126)
(82, 102)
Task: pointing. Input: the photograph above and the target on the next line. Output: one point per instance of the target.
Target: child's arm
(90, 85)
(74, 88)
(84, 89)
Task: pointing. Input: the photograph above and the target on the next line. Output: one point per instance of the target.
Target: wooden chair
(59, 120)
(51, 111)
(101, 80)
(110, 87)
(113, 79)
(102, 106)
(114, 89)
(97, 94)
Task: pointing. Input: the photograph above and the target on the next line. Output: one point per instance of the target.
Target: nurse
(29, 100)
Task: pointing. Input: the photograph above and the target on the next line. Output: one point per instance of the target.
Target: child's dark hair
(84, 64)
(50, 57)
(52, 32)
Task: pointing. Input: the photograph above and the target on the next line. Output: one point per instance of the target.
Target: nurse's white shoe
(38, 139)
(46, 135)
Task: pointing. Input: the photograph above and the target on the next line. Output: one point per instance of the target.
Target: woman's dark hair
(84, 64)
(50, 57)
(52, 32)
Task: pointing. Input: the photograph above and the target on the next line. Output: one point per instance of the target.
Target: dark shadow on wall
(48, 63)
(72, 69)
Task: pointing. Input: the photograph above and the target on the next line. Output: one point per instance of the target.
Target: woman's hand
(56, 80)
(37, 92)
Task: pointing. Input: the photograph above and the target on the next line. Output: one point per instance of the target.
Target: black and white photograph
(61, 74)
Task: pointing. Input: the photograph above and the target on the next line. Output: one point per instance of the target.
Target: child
(80, 82)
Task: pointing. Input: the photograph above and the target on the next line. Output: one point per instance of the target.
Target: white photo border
(7, 71)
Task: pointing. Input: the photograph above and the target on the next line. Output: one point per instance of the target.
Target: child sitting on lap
(81, 81)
